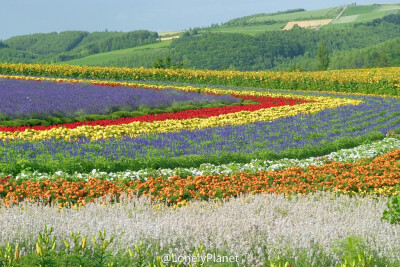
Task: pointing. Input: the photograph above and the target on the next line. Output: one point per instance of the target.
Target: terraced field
(275, 168)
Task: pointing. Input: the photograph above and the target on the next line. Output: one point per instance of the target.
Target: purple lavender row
(22, 98)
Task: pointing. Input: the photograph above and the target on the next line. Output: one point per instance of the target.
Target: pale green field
(371, 16)
(388, 7)
(366, 13)
(99, 59)
(346, 19)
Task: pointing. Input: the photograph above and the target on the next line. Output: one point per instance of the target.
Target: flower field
(138, 152)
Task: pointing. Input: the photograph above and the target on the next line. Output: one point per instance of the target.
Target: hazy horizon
(20, 17)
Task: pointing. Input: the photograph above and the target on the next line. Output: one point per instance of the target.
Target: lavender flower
(34, 99)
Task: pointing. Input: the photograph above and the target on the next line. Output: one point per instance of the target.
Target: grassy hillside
(268, 22)
(367, 13)
(109, 58)
(285, 17)
(255, 24)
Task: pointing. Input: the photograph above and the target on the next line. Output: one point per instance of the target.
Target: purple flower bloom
(40, 99)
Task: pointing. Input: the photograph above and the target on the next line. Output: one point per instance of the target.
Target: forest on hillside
(296, 48)
(69, 45)
(361, 45)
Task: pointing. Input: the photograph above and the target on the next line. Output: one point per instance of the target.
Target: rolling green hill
(69, 45)
(290, 15)
(108, 59)
(255, 24)
(49, 43)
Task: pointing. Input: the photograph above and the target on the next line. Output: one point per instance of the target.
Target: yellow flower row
(137, 128)
(382, 76)
(219, 91)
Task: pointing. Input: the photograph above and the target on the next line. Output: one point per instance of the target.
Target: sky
(19, 17)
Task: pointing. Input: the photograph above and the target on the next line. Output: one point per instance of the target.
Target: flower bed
(259, 156)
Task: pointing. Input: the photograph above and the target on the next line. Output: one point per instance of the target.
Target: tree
(323, 57)
(165, 63)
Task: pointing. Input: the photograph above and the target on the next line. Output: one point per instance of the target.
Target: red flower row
(264, 102)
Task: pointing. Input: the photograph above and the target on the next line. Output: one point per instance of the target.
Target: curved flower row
(189, 88)
(265, 102)
(355, 154)
(375, 81)
(135, 128)
(381, 175)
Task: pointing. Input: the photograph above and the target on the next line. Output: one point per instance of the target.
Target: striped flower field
(86, 150)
